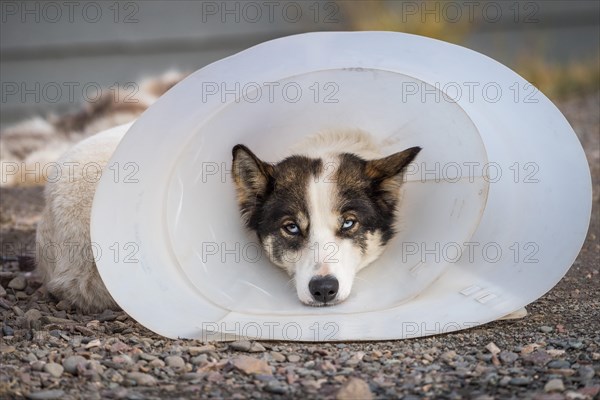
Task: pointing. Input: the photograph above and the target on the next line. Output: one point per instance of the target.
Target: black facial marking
(281, 197)
(272, 195)
(370, 190)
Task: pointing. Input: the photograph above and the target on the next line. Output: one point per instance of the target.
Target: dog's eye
(347, 224)
(292, 228)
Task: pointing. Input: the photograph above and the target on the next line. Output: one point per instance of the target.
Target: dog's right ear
(251, 176)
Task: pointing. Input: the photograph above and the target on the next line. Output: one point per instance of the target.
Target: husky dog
(325, 212)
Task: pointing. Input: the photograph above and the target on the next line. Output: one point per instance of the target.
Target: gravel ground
(50, 351)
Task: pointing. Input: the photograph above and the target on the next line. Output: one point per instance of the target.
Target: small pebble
(7, 331)
(37, 365)
(448, 355)
(54, 369)
(142, 379)
(18, 283)
(508, 357)
(175, 362)
(276, 356)
(554, 385)
(63, 305)
(93, 343)
(196, 350)
(559, 364)
(247, 346)
(274, 386)
(70, 363)
(33, 315)
(354, 389)
(546, 329)
(492, 348)
(293, 358)
(46, 395)
(251, 365)
(520, 381)
(157, 363)
(586, 373)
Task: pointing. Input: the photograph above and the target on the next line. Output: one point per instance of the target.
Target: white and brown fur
(325, 212)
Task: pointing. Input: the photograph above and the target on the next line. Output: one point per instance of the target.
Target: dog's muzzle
(324, 289)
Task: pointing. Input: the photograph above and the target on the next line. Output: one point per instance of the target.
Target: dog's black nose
(323, 288)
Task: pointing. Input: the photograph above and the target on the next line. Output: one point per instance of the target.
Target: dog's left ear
(391, 167)
(252, 177)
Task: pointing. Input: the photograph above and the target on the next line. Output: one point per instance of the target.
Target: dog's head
(322, 220)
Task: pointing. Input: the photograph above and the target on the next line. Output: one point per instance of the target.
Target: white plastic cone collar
(502, 179)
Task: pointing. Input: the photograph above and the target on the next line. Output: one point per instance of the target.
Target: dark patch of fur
(370, 189)
(279, 194)
(270, 193)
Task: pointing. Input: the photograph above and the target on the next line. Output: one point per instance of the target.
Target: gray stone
(147, 357)
(157, 363)
(586, 372)
(112, 375)
(546, 329)
(54, 369)
(251, 365)
(508, 357)
(197, 350)
(175, 362)
(142, 379)
(123, 359)
(63, 305)
(46, 395)
(448, 355)
(247, 346)
(293, 358)
(554, 385)
(520, 381)
(7, 331)
(38, 365)
(18, 283)
(200, 360)
(33, 315)
(70, 363)
(559, 364)
(274, 386)
(355, 388)
(538, 357)
(276, 356)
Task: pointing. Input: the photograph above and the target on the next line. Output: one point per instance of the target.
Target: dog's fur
(64, 255)
(338, 194)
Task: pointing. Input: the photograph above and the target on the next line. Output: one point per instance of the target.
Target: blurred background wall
(54, 55)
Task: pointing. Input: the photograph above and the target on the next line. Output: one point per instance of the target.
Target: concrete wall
(77, 45)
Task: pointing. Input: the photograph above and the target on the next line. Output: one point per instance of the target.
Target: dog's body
(325, 212)
(64, 253)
